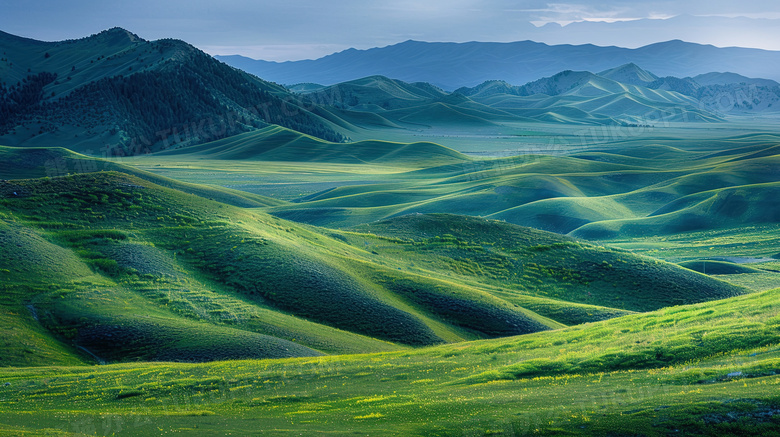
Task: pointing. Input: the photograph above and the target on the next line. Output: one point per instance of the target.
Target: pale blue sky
(299, 29)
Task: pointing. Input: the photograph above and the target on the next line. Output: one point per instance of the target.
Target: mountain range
(454, 65)
(627, 94)
(114, 93)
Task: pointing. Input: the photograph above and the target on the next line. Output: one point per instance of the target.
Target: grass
(91, 256)
(718, 267)
(571, 381)
(28, 162)
(523, 261)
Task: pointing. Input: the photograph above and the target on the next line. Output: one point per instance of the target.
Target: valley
(188, 248)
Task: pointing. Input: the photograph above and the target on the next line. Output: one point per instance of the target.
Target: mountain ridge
(440, 63)
(118, 91)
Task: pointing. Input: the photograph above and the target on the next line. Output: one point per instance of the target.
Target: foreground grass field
(705, 369)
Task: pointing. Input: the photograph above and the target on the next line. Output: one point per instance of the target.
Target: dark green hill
(713, 267)
(721, 208)
(251, 271)
(694, 370)
(378, 93)
(642, 188)
(136, 96)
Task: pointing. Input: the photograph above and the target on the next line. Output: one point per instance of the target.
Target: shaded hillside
(378, 92)
(136, 96)
(630, 73)
(551, 265)
(30, 162)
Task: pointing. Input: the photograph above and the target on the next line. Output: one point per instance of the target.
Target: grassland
(637, 187)
(211, 313)
(706, 369)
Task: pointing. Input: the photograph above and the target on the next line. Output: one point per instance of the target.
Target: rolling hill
(279, 144)
(172, 275)
(271, 277)
(638, 188)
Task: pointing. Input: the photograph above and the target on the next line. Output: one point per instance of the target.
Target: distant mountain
(685, 86)
(595, 95)
(380, 91)
(730, 31)
(454, 65)
(627, 94)
(630, 74)
(641, 93)
(116, 89)
(731, 79)
(380, 101)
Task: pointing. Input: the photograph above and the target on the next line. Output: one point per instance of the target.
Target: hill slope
(188, 271)
(641, 187)
(135, 95)
(279, 144)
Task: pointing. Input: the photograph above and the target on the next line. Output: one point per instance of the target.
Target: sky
(308, 29)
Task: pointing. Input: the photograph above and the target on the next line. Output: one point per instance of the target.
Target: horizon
(309, 30)
(401, 42)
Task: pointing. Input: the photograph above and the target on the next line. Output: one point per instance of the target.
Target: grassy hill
(184, 272)
(539, 263)
(267, 276)
(378, 93)
(34, 162)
